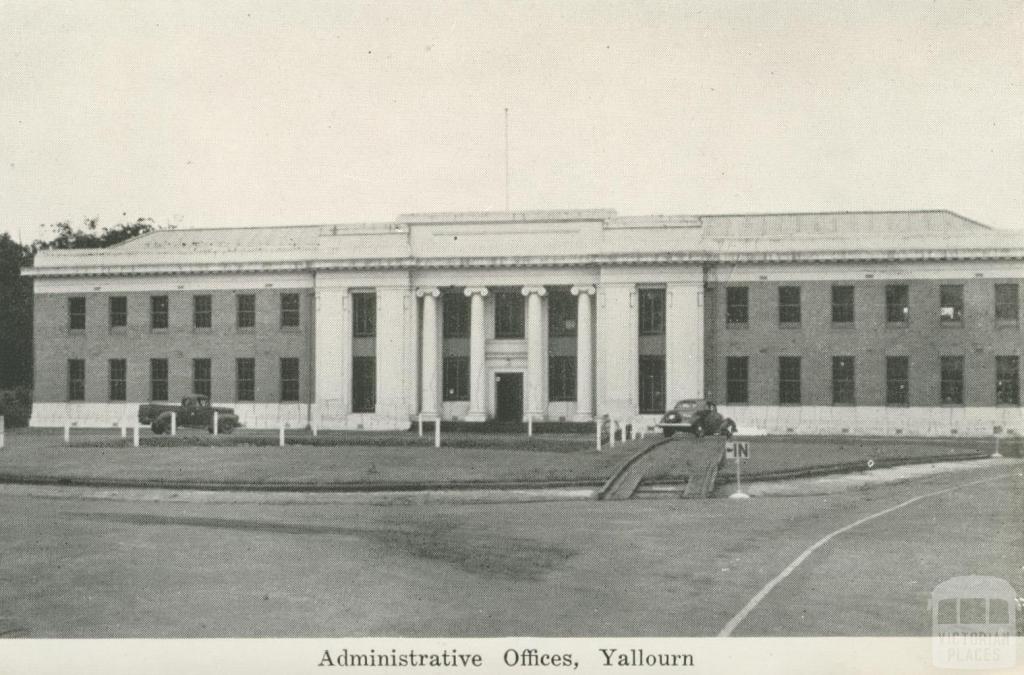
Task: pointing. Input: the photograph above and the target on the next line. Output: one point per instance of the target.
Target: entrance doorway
(509, 397)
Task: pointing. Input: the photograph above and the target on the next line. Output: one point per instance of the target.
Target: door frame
(494, 388)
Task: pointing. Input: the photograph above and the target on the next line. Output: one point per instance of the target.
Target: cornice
(596, 260)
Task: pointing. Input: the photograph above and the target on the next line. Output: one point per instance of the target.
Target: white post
(124, 427)
(216, 422)
(437, 432)
(419, 423)
(314, 428)
(611, 433)
(174, 423)
(135, 434)
(739, 494)
(67, 432)
(280, 435)
(1, 432)
(529, 424)
(597, 433)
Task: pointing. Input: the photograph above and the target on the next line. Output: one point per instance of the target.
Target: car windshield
(687, 405)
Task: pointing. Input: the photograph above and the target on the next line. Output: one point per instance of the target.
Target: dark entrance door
(509, 397)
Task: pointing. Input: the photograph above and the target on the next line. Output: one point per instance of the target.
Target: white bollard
(529, 425)
(124, 428)
(597, 434)
(135, 434)
(67, 432)
(216, 422)
(419, 423)
(313, 427)
(611, 433)
(1, 432)
(174, 423)
(437, 432)
(280, 435)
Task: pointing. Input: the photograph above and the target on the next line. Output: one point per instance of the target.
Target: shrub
(16, 406)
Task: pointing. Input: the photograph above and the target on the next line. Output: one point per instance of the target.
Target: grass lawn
(366, 458)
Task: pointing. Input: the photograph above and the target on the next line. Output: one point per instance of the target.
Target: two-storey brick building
(886, 322)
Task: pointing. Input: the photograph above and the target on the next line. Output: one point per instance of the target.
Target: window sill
(118, 330)
(790, 325)
(158, 330)
(509, 338)
(76, 331)
(843, 325)
(245, 329)
(202, 330)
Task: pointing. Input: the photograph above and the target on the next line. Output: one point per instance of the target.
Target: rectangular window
(291, 316)
(456, 378)
(201, 377)
(364, 314)
(1008, 380)
(897, 380)
(455, 315)
(842, 304)
(158, 305)
(952, 380)
(76, 379)
(118, 380)
(737, 310)
(562, 378)
(951, 304)
(245, 379)
(118, 311)
(509, 315)
(789, 304)
(652, 384)
(158, 380)
(289, 379)
(897, 303)
(843, 384)
(245, 311)
(562, 307)
(76, 313)
(789, 379)
(364, 384)
(202, 311)
(736, 379)
(1006, 302)
(652, 311)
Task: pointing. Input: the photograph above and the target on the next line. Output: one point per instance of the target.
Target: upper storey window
(897, 303)
(789, 304)
(1007, 308)
(842, 304)
(364, 314)
(291, 316)
(118, 312)
(951, 304)
(76, 313)
(158, 305)
(455, 309)
(562, 313)
(652, 311)
(737, 305)
(509, 315)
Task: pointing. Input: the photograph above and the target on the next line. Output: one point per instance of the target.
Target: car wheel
(227, 426)
(668, 432)
(157, 427)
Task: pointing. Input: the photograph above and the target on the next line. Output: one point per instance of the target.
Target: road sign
(737, 450)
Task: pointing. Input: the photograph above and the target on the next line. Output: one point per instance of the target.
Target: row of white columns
(535, 403)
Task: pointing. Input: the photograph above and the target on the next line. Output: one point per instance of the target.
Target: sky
(252, 113)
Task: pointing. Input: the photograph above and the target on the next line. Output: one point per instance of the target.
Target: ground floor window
(1008, 380)
(201, 377)
(789, 379)
(289, 379)
(897, 380)
(562, 378)
(951, 383)
(158, 380)
(76, 379)
(364, 384)
(652, 384)
(736, 379)
(456, 378)
(118, 380)
(245, 379)
(843, 383)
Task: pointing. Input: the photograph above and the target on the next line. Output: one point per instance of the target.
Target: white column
(429, 381)
(684, 341)
(584, 353)
(333, 338)
(477, 356)
(534, 351)
(394, 311)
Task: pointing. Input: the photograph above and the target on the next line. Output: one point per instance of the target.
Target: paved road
(81, 567)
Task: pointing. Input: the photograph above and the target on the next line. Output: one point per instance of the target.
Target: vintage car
(701, 418)
(195, 411)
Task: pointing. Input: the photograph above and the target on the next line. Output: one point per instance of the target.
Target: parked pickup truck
(194, 411)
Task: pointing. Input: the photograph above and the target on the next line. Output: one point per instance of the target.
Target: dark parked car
(194, 411)
(701, 418)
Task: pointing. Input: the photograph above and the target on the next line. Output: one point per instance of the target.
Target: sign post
(738, 450)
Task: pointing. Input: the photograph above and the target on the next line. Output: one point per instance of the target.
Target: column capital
(578, 290)
(470, 291)
(429, 290)
(538, 290)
